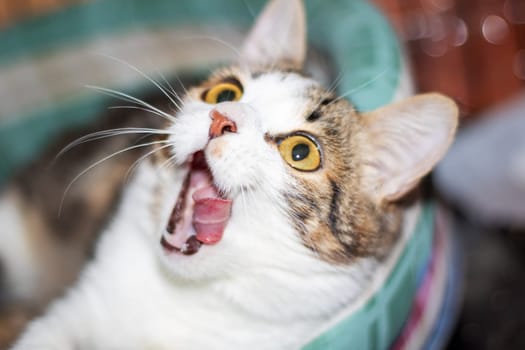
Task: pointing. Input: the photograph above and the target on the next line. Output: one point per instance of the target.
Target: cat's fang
(190, 247)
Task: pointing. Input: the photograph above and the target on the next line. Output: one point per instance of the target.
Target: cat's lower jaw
(126, 298)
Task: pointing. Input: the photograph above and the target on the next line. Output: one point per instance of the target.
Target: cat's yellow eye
(300, 152)
(223, 92)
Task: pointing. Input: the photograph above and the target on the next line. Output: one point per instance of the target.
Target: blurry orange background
(472, 50)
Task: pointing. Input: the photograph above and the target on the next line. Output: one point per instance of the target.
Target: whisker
(129, 65)
(98, 163)
(172, 90)
(244, 203)
(142, 158)
(108, 133)
(183, 87)
(361, 86)
(217, 40)
(130, 98)
(335, 83)
(330, 90)
(167, 163)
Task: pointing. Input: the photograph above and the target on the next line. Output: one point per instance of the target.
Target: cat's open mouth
(200, 213)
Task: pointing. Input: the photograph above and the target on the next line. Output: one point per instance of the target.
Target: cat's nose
(220, 124)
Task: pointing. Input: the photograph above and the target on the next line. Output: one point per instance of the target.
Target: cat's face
(254, 144)
(271, 170)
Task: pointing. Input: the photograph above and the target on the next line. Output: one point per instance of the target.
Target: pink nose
(220, 124)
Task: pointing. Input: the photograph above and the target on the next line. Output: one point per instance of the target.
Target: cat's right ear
(403, 141)
(278, 36)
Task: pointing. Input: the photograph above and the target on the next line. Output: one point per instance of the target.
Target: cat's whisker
(330, 90)
(154, 82)
(129, 98)
(361, 86)
(168, 163)
(100, 162)
(141, 159)
(217, 40)
(335, 83)
(244, 203)
(172, 90)
(186, 93)
(106, 134)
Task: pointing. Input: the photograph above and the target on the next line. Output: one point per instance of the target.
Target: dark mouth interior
(192, 244)
(200, 213)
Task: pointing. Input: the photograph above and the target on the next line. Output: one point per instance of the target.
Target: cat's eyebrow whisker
(217, 40)
(100, 162)
(361, 86)
(330, 89)
(183, 88)
(335, 83)
(129, 65)
(106, 134)
(129, 98)
(172, 90)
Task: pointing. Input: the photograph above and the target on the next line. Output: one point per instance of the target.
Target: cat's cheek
(240, 162)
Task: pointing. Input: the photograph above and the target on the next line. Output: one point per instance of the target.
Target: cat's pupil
(300, 152)
(226, 95)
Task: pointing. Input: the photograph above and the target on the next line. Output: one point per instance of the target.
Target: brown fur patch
(335, 218)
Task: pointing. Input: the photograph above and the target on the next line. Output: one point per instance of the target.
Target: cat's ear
(278, 36)
(403, 141)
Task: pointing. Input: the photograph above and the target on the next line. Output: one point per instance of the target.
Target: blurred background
(473, 51)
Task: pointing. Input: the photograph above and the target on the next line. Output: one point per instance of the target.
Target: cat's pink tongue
(210, 214)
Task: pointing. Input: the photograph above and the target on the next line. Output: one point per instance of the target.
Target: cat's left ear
(403, 142)
(278, 36)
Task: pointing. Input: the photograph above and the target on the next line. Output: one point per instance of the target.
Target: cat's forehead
(283, 99)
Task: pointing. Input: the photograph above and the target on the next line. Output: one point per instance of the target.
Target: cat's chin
(200, 213)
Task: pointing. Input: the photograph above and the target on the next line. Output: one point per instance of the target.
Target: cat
(269, 206)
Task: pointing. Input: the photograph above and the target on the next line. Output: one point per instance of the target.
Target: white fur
(18, 261)
(279, 34)
(259, 286)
